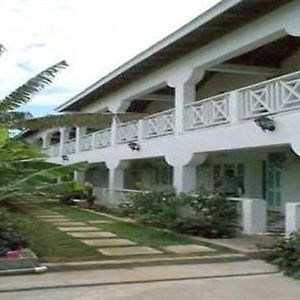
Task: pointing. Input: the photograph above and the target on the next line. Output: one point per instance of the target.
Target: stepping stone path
(185, 249)
(119, 251)
(99, 222)
(108, 243)
(83, 228)
(69, 223)
(94, 234)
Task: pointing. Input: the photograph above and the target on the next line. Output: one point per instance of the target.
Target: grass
(52, 245)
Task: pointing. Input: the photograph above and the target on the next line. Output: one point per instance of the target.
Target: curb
(133, 263)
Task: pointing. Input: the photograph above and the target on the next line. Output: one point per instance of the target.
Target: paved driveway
(250, 280)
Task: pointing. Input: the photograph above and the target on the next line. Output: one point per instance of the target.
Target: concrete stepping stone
(55, 220)
(93, 235)
(48, 215)
(185, 249)
(95, 222)
(120, 251)
(108, 242)
(68, 223)
(82, 228)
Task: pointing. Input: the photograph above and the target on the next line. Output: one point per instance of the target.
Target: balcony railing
(70, 146)
(102, 138)
(127, 132)
(159, 124)
(269, 97)
(207, 112)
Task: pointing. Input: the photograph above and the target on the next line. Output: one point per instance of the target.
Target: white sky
(94, 36)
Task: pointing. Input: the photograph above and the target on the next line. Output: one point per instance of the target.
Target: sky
(93, 36)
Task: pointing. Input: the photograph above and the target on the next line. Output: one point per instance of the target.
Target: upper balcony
(268, 98)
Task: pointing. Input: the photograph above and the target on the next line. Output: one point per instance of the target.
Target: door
(273, 186)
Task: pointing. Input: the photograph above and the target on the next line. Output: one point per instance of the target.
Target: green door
(273, 186)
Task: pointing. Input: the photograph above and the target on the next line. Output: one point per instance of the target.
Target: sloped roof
(218, 21)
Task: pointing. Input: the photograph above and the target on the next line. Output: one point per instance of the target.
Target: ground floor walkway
(247, 280)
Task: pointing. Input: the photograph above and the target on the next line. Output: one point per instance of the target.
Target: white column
(233, 107)
(184, 94)
(184, 178)
(79, 176)
(80, 131)
(64, 134)
(46, 140)
(254, 214)
(292, 217)
(114, 128)
(116, 181)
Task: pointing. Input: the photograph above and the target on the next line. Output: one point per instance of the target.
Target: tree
(24, 171)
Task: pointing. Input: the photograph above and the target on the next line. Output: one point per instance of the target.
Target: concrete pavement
(256, 287)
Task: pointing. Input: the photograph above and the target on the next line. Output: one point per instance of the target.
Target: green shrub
(205, 214)
(158, 208)
(9, 238)
(79, 190)
(211, 215)
(286, 255)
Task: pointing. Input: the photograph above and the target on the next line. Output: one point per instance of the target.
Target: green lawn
(52, 245)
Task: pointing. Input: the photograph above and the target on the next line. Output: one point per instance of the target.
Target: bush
(158, 208)
(79, 190)
(205, 214)
(9, 238)
(286, 255)
(211, 215)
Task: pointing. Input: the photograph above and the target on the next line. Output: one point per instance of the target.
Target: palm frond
(25, 92)
(92, 120)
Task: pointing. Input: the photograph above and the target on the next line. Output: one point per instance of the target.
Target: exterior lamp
(65, 158)
(265, 123)
(134, 146)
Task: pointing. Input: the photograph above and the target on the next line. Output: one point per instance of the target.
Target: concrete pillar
(114, 128)
(79, 176)
(64, 136)
(115, 181)
(46, 140)
(80, 131)
(184, 94)
(233, 107)
(184, 178)
(254, 214)
(292, 217)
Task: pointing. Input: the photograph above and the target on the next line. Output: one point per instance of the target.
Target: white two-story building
(221, 93)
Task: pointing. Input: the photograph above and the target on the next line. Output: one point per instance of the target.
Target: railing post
(292, 217)
(184, 94)
(140, 133)
(254, 216)
(80, 131)
(63, 138)
(233, 107)
(114, 131)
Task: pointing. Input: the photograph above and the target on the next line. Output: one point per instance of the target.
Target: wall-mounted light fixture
(265, 123)
(65, 158)
(134, 146)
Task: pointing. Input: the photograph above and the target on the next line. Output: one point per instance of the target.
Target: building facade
(219, 96)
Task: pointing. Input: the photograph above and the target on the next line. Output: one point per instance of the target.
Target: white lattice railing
(269, 97)
(207, 112)
(162, 123)
(102, 138)
(70, 146)
(53, 150)
(86, 142)
(127, 132)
